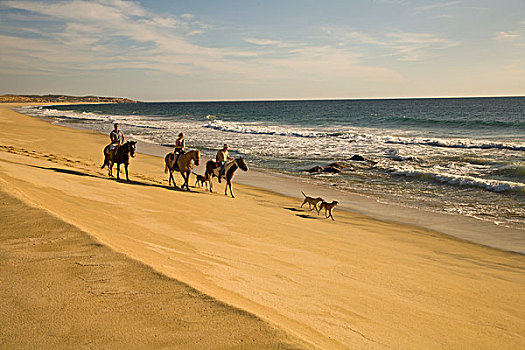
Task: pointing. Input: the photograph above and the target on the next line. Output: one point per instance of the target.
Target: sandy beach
(79, 246)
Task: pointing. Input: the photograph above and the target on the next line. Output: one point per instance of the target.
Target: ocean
(463, 156)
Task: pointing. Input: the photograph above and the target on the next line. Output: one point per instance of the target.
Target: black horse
(212, 169)
(121, 157)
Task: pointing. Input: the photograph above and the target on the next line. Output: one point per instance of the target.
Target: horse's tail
(166, 168)
(105, 161)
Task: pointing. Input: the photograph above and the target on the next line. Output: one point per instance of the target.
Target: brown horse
(212, 169)
(121, 157)
(184, 166)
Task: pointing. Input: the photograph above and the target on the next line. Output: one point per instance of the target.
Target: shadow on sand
(79, 173)
(304, 216)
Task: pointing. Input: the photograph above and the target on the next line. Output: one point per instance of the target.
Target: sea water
(463, 156)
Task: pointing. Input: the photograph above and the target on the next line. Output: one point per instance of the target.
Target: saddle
(175, 158)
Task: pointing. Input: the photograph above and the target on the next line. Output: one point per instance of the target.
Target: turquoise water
(464, 156)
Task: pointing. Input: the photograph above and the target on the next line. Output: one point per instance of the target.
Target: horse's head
(132, 145)
(242, 163)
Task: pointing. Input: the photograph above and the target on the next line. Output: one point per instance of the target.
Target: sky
(170, 50)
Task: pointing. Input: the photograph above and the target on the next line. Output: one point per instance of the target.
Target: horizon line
(337, 99)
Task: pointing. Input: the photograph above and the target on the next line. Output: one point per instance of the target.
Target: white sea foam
(488, 184)
(393, 154)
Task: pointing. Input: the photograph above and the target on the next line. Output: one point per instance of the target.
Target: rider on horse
(179, 148)
(117, 139)
(221, 158)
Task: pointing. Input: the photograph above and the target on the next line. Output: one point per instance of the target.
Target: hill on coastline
(10, 98)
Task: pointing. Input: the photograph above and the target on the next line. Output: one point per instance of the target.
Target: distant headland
(10, 98)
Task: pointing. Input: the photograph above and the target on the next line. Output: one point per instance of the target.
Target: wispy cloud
(406, 46)
(266, 42)
(100, 35)
(506, 36)
(440, 5)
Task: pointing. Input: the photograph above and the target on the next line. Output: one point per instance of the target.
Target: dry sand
(353, 283)
(62, 289)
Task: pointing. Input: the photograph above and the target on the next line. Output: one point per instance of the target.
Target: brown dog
(311, 201)
(203, 180)
(327, 208)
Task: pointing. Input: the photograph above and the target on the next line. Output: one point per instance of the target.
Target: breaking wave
(459, 180)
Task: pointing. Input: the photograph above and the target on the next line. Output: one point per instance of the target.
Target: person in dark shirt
(180, 144)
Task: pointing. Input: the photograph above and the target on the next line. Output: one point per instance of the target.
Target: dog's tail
(304, 194)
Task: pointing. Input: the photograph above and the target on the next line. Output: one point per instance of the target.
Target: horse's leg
(173, 179)
(118, 171)
(126, 168)
(230, 185)
(186, 176)
(209, 176)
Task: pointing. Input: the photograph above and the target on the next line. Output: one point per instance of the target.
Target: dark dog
(203, 180)
(327, 209)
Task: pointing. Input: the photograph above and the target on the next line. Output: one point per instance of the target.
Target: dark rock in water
(337, 165)
(358, 158)
(316, 169)
(332, 169)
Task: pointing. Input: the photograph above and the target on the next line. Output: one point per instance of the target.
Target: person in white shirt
(221, 158)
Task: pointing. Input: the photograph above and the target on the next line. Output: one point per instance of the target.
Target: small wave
(393, 154)
(257, 129)
(459, 180)
(454, 143)
(375, 136)
(459, 122)
(515, 171)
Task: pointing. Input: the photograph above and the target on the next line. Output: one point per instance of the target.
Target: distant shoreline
(15, 98)
(11, 98)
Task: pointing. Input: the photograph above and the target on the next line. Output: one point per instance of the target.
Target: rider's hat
(116, 124)
(225, 145)
(181, 134)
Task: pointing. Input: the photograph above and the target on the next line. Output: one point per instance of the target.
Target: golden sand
(353, 283)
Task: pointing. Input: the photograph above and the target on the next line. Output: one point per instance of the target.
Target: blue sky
(243, 50)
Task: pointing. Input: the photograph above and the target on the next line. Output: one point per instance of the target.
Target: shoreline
(353, 283)
(467, 228)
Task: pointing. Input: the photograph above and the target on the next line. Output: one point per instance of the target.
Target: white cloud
(266, 42)
(506, 36)
(98, 35)
(436, 6)
(405, 46)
